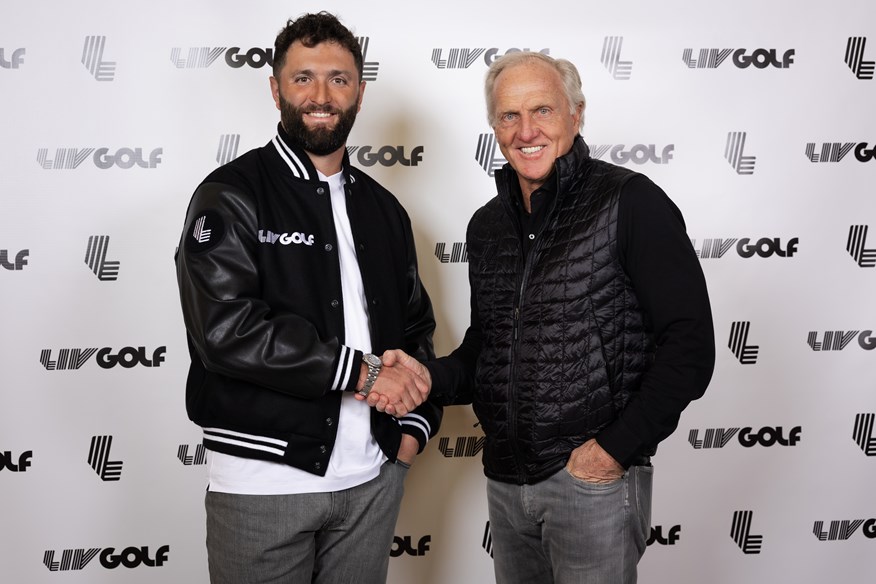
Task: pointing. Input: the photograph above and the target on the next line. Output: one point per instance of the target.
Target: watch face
(372, 360)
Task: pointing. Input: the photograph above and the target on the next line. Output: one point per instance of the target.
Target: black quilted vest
(564, 340)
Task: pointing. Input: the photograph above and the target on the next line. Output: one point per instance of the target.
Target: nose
(528, 129)
(320, 93)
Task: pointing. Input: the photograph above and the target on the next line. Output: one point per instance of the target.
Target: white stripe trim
(424, 421)
(416, 425)
(345, 363)
(292, 160)
(281, 443)
(248, 445)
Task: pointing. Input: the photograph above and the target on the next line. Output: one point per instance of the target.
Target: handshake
(402, 384)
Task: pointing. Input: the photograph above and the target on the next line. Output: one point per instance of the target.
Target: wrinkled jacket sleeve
(233, 331)
(669, 281)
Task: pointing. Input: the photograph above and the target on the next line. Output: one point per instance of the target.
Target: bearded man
(295, 269)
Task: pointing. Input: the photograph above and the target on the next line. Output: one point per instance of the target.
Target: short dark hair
(311, 30)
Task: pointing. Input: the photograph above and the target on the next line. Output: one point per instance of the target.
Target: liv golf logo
(98, 458)
(671, 538)
(839, 340)
(856, 245)
(855, 58)
(95, 258)
(636, 153)
(458, 254)
(405, 545)
(733, 152)
(130, 557)
(844, 529)
(16, 264)
(198, 458)
(836, 151)
(92, 59)
(863, 433)
(127, 358)
(15, 464)
(740, 531)
(385, 155)
(228, 144)
(486, 154)
(767, 437)
(747, 354)
(369, 68)
(203, 57)
(463, 58)
(611, 58)
(715, 248)
(14, 60)
(104, 158)
(758, 58)
(465, 447)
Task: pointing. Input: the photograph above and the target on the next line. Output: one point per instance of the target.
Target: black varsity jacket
(260, 287)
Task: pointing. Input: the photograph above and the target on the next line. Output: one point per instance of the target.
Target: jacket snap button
(329, 421)
(335, 303)
(320, 191)
(328, 247)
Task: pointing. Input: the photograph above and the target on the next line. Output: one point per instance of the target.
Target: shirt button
(328, 247)
(532, 236)
(335, 303)
(317, 465)
(329, 421)
(320, 191)
(375, 302)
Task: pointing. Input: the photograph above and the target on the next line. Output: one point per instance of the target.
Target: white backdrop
(114, 112)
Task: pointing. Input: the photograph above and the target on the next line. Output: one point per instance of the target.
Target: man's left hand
(590, 463)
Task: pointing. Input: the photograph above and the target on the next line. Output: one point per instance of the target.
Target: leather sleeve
(234, 332)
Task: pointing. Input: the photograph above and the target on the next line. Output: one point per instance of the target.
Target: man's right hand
(398, 389)
(392, 392)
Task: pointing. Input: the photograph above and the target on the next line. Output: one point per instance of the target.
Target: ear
(275, 90)
(579, 111)
(361, 95)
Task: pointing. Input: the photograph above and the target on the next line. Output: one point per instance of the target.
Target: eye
(543, 112)
(299, 79)
(339, 81)
(508, 118)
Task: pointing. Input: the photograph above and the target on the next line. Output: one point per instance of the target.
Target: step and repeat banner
(755, 117)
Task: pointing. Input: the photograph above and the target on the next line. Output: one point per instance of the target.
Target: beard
(320, 141)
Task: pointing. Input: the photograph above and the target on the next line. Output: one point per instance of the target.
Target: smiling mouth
(531, 149)
(320, 115)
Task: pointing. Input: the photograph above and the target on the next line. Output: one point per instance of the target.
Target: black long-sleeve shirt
(659, 259)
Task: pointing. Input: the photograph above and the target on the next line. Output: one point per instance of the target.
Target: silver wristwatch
(374, 365)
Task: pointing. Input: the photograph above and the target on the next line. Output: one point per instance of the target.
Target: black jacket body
(260, 286)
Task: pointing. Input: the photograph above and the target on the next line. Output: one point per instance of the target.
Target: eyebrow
(331, 73)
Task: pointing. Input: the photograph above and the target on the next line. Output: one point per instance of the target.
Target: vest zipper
(512, 389)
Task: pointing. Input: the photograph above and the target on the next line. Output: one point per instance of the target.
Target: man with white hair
(591, 331)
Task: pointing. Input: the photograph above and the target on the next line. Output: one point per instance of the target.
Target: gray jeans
(326, 538)
(564, 530)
